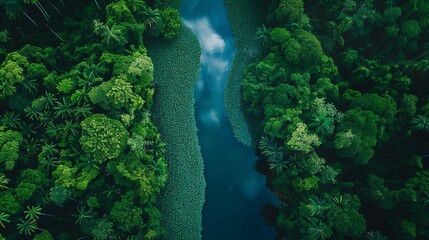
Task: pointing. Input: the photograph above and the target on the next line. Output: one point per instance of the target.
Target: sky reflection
(235, 192)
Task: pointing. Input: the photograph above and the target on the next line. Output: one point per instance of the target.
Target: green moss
(176, 66)
(245, 17)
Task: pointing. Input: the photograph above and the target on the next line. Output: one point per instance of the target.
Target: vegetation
(80, 157)
(252, 14)
(340, 104)
(176, 71)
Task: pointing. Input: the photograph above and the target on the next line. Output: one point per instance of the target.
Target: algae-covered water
(236, 192)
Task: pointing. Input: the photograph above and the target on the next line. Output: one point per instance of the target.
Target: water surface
(235, 192)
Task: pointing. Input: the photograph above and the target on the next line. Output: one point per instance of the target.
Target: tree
(311, 49)
(316, 206)
(420, 123)
(302, 140)
(4, 182)
(25, 190)
(172, 23)
(4, 218)
(126, 214)
(374, 236)
(26, 227)
(59, 195)
(83, 215)
(270, 149)
(112, 36)
(350, 223)
(10, 120)
(274, 153)
(312, 163)
(318, 231)
(289, 11)
(115, 94)
(103, 229)
(44, 235)
(12, 73)
(152, 17)
(10, 204)
(344, 139)
(33, 212)
(10, 142)
(102, 137)
(263, 36)
(323, 124)
(364, 128)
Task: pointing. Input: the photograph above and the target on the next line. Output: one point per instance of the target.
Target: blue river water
(236, 192)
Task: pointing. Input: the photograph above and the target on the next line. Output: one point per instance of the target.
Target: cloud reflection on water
(210, 41)
(214, 65)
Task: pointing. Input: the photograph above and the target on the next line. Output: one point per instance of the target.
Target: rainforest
(220, 119)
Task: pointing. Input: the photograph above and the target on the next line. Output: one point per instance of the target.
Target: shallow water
(236, 192)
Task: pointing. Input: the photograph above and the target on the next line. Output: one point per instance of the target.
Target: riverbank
(176, 66)
(245, 17)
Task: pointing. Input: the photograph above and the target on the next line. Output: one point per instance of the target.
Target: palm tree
(339, 202)
(151, 16)
(87, 160)
(82, 111)
(421, 122)
(424, 199)
(318, 231)
(322, 124)
(270, 149)
(316, 206)
(4, 218)
(277, 164)
(6, 89)
(48, 162)
(26, 226)
(32, 213)
(49, 99)
(88, 80)
(71, 128)
(4, 181)
(30, 85)
(158, 166)
(80, 96)
(112, 36)
(27, 129)
(64, 108)
(54, 130)
(263, 36)
(45, 118)
(42, 197)
(31, 146)
(294, 161)
(157, 147)
(83, 215)
(32, 113)
(374, 236)
(10, 120)
(49, 149)
(111, 192)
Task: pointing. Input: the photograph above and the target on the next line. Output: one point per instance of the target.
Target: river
(235, 192)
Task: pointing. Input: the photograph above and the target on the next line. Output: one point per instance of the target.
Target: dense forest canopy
(79, 154)
(339, 101)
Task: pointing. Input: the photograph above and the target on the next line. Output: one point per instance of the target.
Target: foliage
(75, 84)
(367, 59)
(102, 137)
